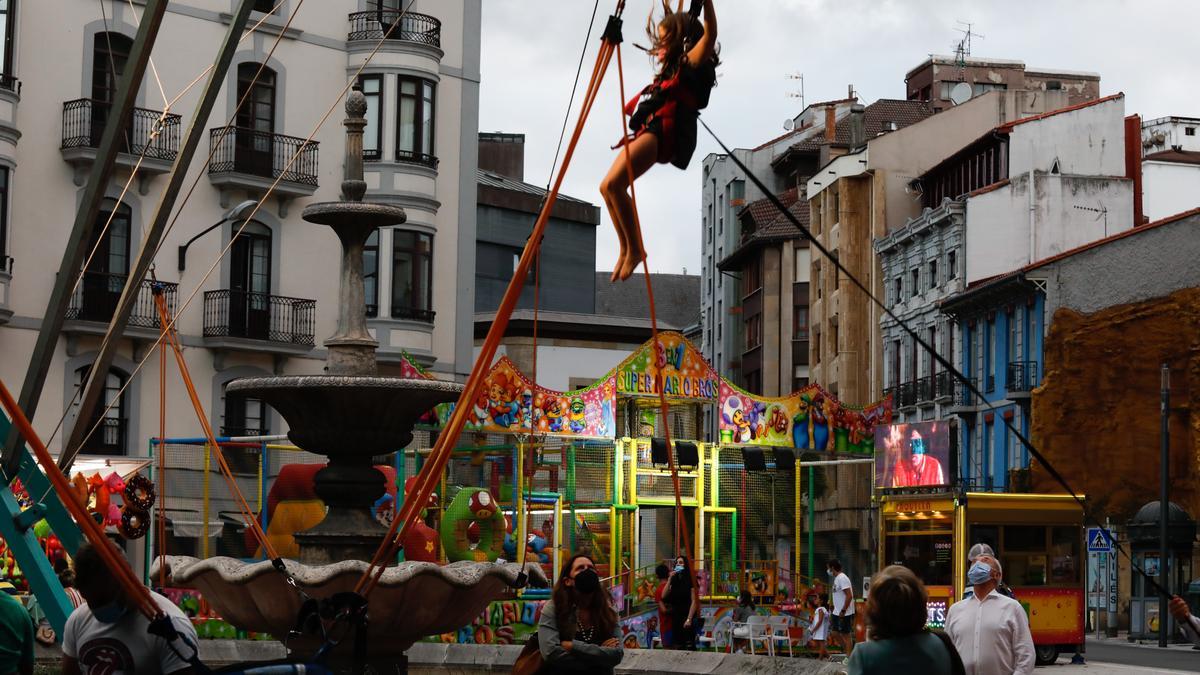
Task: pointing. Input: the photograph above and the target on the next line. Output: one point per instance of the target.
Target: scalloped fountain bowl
(413, 599)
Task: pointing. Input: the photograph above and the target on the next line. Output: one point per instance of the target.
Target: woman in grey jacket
(579, 631)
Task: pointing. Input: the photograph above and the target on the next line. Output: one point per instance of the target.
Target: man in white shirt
(990, 631)
(842, 621)
(1189, 625)
(108, 636)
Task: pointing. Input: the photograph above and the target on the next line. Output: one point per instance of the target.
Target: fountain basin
(413, 599)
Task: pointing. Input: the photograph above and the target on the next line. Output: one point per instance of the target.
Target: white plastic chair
(780, 632)
(707, 637)
(758, 631)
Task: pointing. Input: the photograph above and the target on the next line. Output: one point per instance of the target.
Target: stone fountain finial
(354, 187)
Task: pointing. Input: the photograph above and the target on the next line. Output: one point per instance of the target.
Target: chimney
(858, 125)
(831, 122)
(1133, 164)
(503, 154)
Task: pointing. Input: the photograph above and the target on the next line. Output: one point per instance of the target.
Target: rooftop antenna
(963, 49)
(799, 94)
(1099, 209)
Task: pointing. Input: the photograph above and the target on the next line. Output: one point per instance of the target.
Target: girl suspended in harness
(663, 115)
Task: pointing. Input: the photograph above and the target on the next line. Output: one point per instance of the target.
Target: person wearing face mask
(578, 631)
(107, 634)
(973, 555)
(990, 631)
(683, 601)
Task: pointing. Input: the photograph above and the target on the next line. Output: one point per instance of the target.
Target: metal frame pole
(94, 386)
(1164, 502)
(111, 143)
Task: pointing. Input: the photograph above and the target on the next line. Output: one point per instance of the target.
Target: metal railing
(96, 298)
(1021, 376)
(420, 28)
(925, 389)
(943, 385)
(6, 264)
(908, 394)
(963, 396)
(85, 119)
(412, 313)
(259, 316)
(264, 154)
(416, 158)
(11, 83)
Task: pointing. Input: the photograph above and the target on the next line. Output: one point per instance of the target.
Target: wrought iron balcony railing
(412, 27)
(412, 313)
(263, 154)
(416, 158)
(925, 389)
(259, 316)
(10, 83)
(96, 298)
(908, 394)
(964, 397)
(943, 385)
(1021, 376)
(150, 133)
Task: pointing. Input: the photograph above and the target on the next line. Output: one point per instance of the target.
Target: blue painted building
(1001, 324)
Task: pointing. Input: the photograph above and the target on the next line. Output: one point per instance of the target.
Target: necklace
(586, 634)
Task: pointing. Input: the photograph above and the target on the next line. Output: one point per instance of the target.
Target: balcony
(419, 158)
(925, 391)
(95, 301)
(413, 314)
(413, 28)
(1021, 378)
(245, 159)
(10, 96)
(964, 399)
(6, 266)
(258, 322)
(908, 395)
(943, 387)
(151, 138)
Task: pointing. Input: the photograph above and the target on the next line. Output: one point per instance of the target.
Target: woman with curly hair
(896, 617)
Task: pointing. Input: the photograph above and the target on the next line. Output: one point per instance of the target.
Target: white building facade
(270, 299)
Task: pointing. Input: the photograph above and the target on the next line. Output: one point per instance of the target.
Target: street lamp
(238, 212)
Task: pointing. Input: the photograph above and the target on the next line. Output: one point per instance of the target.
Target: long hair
(680, 32)
(896, 604)
(566, 605)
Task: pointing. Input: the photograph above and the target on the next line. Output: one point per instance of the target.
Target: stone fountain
(350, 415)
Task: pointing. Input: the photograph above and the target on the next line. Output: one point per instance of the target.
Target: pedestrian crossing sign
(1099, 541)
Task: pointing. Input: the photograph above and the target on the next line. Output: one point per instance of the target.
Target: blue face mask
(980, 573)
(110, 613)
(679, 569)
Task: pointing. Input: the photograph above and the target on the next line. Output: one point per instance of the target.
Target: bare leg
(621, 238)
(643, 151)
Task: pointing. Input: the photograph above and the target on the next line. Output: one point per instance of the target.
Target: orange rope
(119, 568)
(664, 409)
(214, 447)
(429, 475)
(162, 465)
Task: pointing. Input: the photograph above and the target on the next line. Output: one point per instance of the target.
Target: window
(933, 273)
(107, 430)
(989, 355)
(720, 215)
(896, 352)
(930, 361)
(372, 89)
(952, 265)
(8, 28)
(816, 346)
(250, 282)
(834, 343)
(412, 275)
(800, 322)
(245, 416)
(836, 271)
(264, 6)
(754, 382)
(915, 289)
(752, 278)
(414, 137)
(371, 273)
(102, 283)
(1187, 131)
(254, 138)
(803, 265)
(897, 291)
(754, 332)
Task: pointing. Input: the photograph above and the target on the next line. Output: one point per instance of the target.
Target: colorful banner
(410, 370)
(811, 419)
(509, 402)
(673, 365)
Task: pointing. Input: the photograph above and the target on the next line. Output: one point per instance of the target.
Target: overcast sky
(531, 49)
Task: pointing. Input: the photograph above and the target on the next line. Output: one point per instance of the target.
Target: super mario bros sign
(671, 364)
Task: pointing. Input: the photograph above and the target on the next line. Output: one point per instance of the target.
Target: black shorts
(842, 624)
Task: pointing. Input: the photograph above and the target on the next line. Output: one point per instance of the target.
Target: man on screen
(915, 467)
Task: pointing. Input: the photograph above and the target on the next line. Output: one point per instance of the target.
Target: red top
(664, 620)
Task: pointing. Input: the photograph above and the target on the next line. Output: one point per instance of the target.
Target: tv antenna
(799, 94)
(962, 50)
(1099, 209)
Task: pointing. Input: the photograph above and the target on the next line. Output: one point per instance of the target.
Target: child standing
(820, 622)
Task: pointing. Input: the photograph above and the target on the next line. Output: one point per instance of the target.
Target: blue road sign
(1099, 541)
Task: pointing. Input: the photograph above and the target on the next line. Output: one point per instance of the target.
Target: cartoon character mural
(809, 419)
